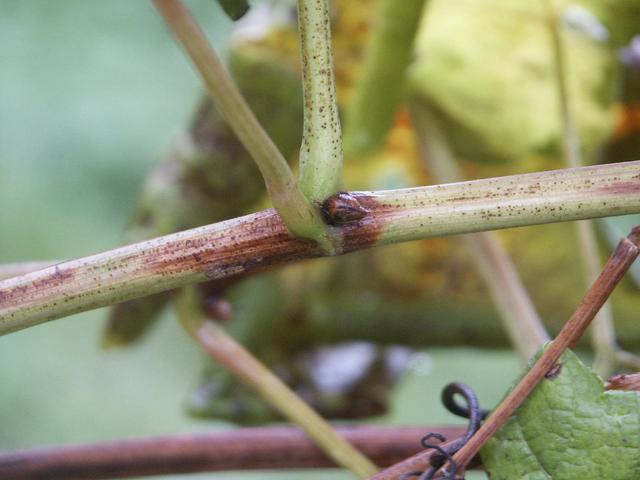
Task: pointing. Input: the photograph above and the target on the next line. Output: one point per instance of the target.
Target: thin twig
(617, 265)
(234, 357)
(625, 381)
(261, 240)
(321, 149)
(302, 218)
(520, 319)
(238, 449)
(603, 332)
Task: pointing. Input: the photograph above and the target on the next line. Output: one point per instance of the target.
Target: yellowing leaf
(487, 66)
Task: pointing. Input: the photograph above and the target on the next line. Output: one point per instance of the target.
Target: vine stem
(607, 352)
(321, 149)
(246, 367)
(570, 137)
(8, 270)
(519, 317)
(237, 449)
(261, 240)
(300, 216)
(617, 265)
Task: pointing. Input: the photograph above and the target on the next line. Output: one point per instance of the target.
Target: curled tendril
(444, 454)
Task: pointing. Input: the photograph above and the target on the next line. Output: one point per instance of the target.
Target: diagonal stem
(617, 265)
(250, 370)
(302, 218)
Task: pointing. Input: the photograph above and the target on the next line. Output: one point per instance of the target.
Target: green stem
(570, 138)
(321, 149)
(302, 218)
(9, 270)
(224, 349)
(261, 240)
(381, 85)
(519, 317)
(504, 202)
(204, 168)
(603, 336)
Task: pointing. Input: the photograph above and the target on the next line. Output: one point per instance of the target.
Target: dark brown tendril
(444, 454)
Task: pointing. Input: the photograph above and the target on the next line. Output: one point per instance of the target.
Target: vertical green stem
(245, 366)
(603, 332)
(381, 85)
(302, 218)
(321, 150)
(570, 138)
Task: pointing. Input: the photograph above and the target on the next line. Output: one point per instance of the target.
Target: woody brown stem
(617, 265)
(238, 449)
(234, 357)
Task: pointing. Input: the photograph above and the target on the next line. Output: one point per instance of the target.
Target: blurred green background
(90, 95)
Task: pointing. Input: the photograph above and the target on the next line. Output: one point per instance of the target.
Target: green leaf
(235, 9)
(569, 428)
